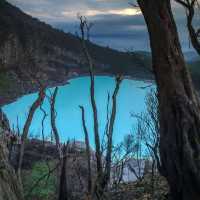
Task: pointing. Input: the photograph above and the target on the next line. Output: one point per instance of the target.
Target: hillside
(39, 157)
(30, 48)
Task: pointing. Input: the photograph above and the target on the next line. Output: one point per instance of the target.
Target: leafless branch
(190, 6)
(53, 121)
(83, 23)
(88, 153)
(27, 125)
(110, 130)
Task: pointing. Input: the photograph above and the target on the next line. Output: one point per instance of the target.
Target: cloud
(93, 13)
(112, 18)
(67, 9)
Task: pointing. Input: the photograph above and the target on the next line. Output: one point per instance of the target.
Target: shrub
(46, 188)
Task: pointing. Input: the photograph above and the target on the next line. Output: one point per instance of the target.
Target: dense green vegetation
(43, 190)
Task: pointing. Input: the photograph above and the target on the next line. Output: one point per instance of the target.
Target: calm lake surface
(131, 98)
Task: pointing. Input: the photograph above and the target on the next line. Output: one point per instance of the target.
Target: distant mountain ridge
(30, 47)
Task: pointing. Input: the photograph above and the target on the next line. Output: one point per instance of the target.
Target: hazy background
(116, 23)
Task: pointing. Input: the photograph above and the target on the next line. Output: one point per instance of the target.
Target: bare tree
(149, 131)
(37, 103)
(43, 120)
(119, 159)
(53, 122)
(62, 150)
(118, 172)
(88, 153)
(150, 127)
(103, 141)
(63, 193)
(83, 26)
(103, 175)
(152, 136)
(134, 153)
(190, 7)
(110, 131)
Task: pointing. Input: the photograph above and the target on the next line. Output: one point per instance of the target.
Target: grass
(46, 188)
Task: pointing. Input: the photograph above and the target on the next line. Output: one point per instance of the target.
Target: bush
(46, 189)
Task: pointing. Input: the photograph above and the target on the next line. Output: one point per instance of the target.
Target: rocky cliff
(30, 48)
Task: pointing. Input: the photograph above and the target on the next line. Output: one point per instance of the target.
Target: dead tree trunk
(88, 154)
(110, 133)
(53, 122)
(63, 194)
(103, 175)
(98, 188)
(178, 103)
(62, 151)
(27, 125)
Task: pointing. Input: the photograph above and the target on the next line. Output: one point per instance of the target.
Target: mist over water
(131, 98)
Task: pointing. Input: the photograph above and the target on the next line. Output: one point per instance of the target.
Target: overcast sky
(117, 24)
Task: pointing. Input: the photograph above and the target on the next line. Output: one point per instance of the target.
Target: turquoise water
(130, 99)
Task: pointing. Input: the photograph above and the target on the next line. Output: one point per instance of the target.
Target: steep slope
(30, 48)
(9, 185)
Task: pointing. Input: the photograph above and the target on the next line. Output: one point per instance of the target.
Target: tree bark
(109, 149)
(63, 193)
(88, 153)
(178, 103)
(53, 123)
(37, 103)
(62, 151)
(99, 166)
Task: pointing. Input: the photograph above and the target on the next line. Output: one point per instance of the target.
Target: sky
(116, 23)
